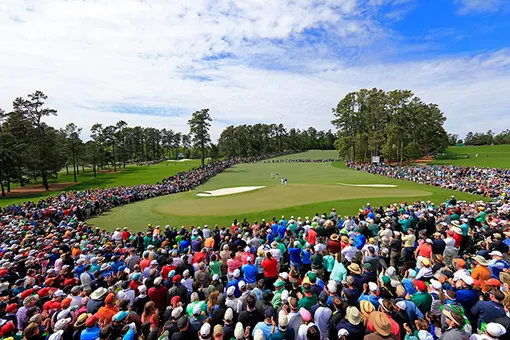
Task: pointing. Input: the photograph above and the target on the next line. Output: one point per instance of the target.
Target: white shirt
(460, 273)
(301, 334)
(349, 252)
(126, 294)
(449, 242)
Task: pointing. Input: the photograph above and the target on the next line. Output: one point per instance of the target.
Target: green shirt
(307, 302)
(277, 299)
(465, 229)
(374, 229)
(481, 216)
(215, 267)
(329, 262)
(423, 301)
(289, 334)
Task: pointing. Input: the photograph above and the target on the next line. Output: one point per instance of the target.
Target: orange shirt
(106, 313)
(481, 274)
(209, 242)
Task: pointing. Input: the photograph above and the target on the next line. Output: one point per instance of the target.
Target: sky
(154, 62)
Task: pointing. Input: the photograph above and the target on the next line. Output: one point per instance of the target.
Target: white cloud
(87, 55)
(475, 6)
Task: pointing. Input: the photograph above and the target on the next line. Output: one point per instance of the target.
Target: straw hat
(354, 267)
(98, 293)
(274, 244)
(80, 321)
(366, 308)
(481, 260)
(353, 315)
(334, 237)
(381, 323)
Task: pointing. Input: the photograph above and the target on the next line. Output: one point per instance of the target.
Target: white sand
(183, 160)
(227, 191)
(369, 185)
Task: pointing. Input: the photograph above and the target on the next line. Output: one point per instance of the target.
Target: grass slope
(497, 156)
(313, 188)
(312, 154)
(132, 175)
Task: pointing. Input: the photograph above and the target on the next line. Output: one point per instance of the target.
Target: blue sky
(289, 61)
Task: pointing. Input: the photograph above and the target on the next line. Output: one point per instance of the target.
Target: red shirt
(425, 250)
(270, 268)
(312, 235)
(144, 264)
(198, 257)
(458, 239)
(158, 296)
(167, 269)
(126, 235)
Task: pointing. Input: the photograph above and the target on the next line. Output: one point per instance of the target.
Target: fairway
(132, 175)
(312, 188)
(490, 156)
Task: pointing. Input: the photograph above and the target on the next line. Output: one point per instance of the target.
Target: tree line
(260, 139)
(32, 150)
(480, 138)
(394, 124)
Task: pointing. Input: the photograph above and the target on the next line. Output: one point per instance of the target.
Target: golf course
(313, 187)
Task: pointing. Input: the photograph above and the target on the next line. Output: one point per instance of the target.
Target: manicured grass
(312, 154)
(497, 156)
(312, 188)
(132, 175)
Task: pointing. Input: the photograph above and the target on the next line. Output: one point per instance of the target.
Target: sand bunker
(183, 160)
(370, 185)
(227, 191)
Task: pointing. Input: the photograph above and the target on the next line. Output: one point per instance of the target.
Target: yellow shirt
(409, 241)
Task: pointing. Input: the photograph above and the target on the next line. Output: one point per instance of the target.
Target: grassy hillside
(497, 156)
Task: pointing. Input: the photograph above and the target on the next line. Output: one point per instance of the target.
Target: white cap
(215, 277)
(229, 314)
(239, 331)
(205, 330)
(154, 263)
(436, 284)
(60, 324)
(495, 252)
(283, 321)
(258, 335)
(284, 275)
(142, 289)
(197, 309)
(241, 284)
(237, 273)
(343, 332)
(468, 280)
(58, 293)
(158, 281)
(231, 290)
(176, 312)
(332, 287)
(495, 329)
(373, 287)
(402, 305)
(424, 335)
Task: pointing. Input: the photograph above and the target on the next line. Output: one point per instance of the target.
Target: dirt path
(36, 189)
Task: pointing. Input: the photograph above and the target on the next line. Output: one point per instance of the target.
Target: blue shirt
(408, 285)
(359, 241)
(467, 298)
(183, 245)
(488, 310)
(250, 273)
(90, 333)
(281, 231)
(306, 256)
(369, 297)
(266, 329)
(412, 311)
(295, 255)
(234, 283)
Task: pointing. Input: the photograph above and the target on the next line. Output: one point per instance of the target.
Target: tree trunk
(35, 176)
(114, 163)
(203, 154)
(8, 184)
(67, 168)
(2, 184)
(56, 175)
(401, 153)
(94, 168)
(83, 167)
(21, 183)
(74, 169)
(45, 180)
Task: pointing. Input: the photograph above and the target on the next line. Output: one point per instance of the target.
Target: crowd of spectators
(489, 182)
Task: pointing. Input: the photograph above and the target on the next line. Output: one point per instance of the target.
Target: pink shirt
(232, 265)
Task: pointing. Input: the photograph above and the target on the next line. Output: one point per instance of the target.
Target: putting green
(312, 188)
(264, 199)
